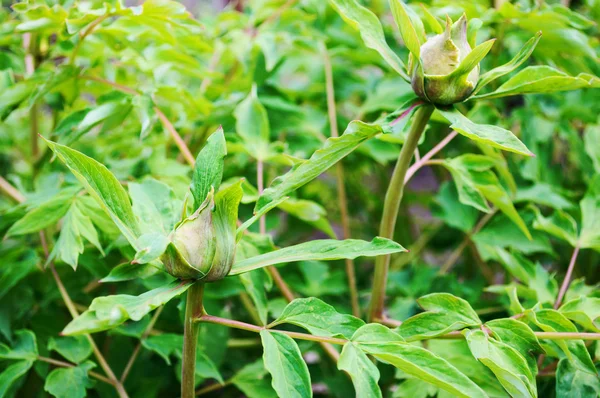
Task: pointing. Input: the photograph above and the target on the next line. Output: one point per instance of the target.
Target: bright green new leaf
(319, 318)
(509, 366)
(444, 313)
(111, 311)
(76, 349)
(323, 249)
(488, 134)
(583, 310)
(155, 205)
(542, 79)
(103, 186)
(366, 23)
(591, 139)
(252, 124)
(362, 371)
(513, 64)
(283, 360)
(332, 151)
(407, 30)
(208, 170)
(70, 382)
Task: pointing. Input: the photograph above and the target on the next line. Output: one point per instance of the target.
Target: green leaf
(519, 336)
(102, 186)
(543, 194)
(15, 269)
(69, 382)
(76, 349)
(319, 318)
(24, 347)
(284, 362)
(450, 210)
(323, 249)
(41, 217)
(152, 246)
(488, 134)
(165, 345)
(333, 150)
(445, 313)
(254, 381)
(407, 30)
(155, 205)
(417, 362)
(366, 23)
(589, 236)
(572, 382)
(583, 310)
(225, 218)
(591, 139)
(252, 124)
(69, 245)
(362, 371)
(542, 79)
(208, 170)
(508, 365)
(457, 353)
(254, 282)
(575, 350)
(513, 64)
(128, 271)
(559, 224)
(111, 311)
(472, 60)
(11, 374)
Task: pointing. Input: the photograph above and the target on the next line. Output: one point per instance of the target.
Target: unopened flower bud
(437, 78)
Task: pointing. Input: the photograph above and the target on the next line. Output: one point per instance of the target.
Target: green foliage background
(490, 233)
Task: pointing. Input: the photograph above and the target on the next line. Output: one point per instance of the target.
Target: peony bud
(437, 78)
(190, 253)
(203, 245)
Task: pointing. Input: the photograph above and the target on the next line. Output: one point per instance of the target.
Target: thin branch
(275, 15)
(341, 187)
(568, 276)
(424, 160)
(138, 348)
(11, 191)
(30, 46)
(455, 255)
(85, 33)
(73, 311)
(257, 329)
(213, 387)
(183, 148)
(63, 364)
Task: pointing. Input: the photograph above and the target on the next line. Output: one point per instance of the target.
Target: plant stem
(11, 191)
(63, 364)
(138, 347)
(30, 46)
(257, 329)
(183, 148)
(393, 198)
(425, 159)
(193, 310)
(213, 387)
(341, 188)
(567, 280)
(84, 34)
(279, 282)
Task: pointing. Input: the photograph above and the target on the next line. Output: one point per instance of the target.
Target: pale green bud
(436, 79)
